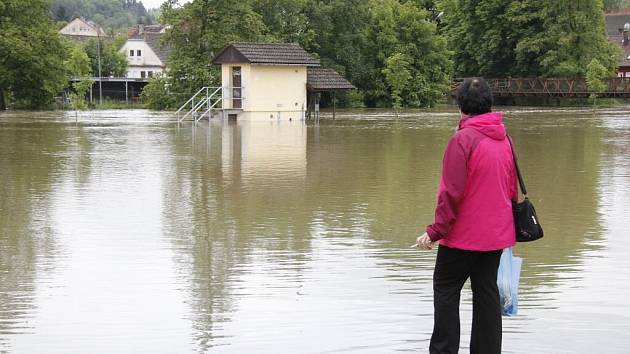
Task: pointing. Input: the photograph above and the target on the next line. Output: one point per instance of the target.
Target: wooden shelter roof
(323, 79)
(265, 53)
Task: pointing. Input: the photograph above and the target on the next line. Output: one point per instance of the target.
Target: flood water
(121, 232)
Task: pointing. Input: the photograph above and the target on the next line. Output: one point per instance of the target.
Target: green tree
(32, 54)
(355, 37)
(113, 15)
(405, 29)
(575, 34)
(615, 5)
(596, 75)
(340, 28)
(397, 75)
(112, 62)
(526, 37)
(486, 36)
(286, 21)
(78, 64)
(156, 94)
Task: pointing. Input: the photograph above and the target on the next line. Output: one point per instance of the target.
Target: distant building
(272, 80)
(146, 56)
(618, 30)
(81, 29)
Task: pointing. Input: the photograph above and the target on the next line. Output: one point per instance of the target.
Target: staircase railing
(208, 97)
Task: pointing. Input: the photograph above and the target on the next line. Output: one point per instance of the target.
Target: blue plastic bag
(507, 281)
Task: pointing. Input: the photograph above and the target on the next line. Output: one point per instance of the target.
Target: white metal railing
(211, 102)
(228, 96)
(190, 101)
(205, 97)
(205, 100)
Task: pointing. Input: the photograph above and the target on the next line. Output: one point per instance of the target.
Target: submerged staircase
(201, 104)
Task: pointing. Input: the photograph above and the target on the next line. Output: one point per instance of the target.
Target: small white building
(270, 80)
(146, 56)
(82, 28)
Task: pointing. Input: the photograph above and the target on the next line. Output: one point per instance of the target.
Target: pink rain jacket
(478, 184)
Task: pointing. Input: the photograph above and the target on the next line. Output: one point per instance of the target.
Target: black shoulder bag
(525, 219)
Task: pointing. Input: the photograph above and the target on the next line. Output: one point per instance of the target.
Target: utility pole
(100, 77)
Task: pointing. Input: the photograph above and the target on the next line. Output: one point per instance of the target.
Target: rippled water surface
(121, 232)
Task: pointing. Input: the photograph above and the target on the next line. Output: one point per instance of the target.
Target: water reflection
(237, 191)
(561, 163)
(77, 253)
(124, 231)
(30, 164)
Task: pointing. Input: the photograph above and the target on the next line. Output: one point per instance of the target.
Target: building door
(237, 90)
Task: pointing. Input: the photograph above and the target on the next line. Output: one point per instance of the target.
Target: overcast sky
(150, 4)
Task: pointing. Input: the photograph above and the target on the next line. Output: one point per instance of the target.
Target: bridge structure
(616, 87)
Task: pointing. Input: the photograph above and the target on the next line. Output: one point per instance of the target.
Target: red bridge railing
(552, 87)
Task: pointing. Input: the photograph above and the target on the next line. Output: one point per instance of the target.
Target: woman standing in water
(473, 222)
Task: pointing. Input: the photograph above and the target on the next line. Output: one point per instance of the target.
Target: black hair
(474, 96)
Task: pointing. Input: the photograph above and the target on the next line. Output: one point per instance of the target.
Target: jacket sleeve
(451, 191)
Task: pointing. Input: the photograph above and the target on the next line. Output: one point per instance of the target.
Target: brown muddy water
(124, 233)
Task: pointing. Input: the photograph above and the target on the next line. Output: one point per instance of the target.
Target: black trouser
(452, 268)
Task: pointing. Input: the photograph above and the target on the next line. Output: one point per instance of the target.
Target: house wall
(147, 61)
(77, 27)
(269, 89)
(149, 71)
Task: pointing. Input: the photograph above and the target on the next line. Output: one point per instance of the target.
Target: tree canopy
(527, 37)
(355, 37)
(112, 15)
(32, 54)
(392, 50)
(113, 63)
(616, 5)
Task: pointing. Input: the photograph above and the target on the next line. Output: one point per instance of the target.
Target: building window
(131, 52)
(150, 73)
(143, 74)
(138, 53)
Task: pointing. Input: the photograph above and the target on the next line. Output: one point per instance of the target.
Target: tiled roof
(139, 30)
(614, 22)
(153, 41)
(94, 26)
(154, 28)
(322, 79)
(265, 53)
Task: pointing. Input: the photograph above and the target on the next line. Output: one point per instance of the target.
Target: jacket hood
(490, 124)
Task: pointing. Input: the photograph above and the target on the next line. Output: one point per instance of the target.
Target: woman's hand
(424, 242)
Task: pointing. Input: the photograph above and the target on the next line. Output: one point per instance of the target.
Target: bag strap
(518, 170)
